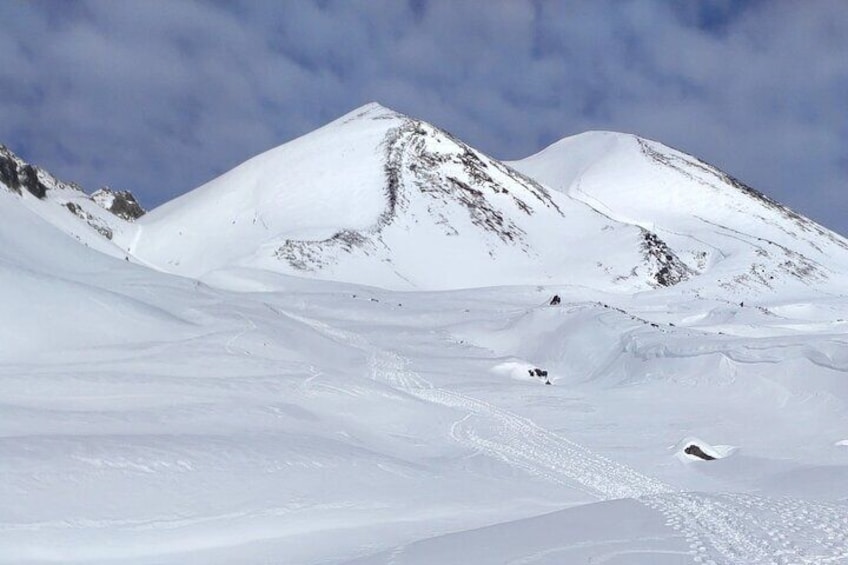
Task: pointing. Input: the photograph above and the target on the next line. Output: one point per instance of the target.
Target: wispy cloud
(160, 96)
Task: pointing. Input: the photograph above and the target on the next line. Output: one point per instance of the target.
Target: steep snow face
(382, 199)
(736, 239)
(311, 188)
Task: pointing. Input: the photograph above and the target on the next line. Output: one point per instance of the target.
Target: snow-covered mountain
(383, 199)
(171, 394)
(379, 198)
(733, 239)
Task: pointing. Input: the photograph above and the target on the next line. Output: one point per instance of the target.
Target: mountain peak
(369, 111)
(378, 198)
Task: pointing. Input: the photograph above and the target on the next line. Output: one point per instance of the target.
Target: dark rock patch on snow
(90, 219)
(28, 177)
(122, 203)
(9, 171)
(667, 268)
(698, 452)
(310, 256)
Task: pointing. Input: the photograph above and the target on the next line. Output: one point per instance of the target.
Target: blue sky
(160, 96)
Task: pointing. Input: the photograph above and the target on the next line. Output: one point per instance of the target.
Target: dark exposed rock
(313, 255)
(698, 452)
(90, 219)
(9, 172)
(668, 269)
(555, 300)
(28, 177)
(17, 174)
(122, 203)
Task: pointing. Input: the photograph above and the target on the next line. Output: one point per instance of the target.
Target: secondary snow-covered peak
(564, 161)
(736, 236)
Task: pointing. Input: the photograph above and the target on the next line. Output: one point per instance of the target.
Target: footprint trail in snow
(720, 528)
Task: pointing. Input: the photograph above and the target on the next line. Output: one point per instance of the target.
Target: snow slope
(59, 293)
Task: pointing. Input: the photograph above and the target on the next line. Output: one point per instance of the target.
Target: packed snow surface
(240, 414)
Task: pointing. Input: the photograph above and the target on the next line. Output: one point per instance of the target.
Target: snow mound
(520, 371)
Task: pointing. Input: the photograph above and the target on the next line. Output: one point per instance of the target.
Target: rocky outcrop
(666, 267)
(696, 451)
(92, 220)
(9, 171)
(17, 174)
(28, 177)
(122, 203)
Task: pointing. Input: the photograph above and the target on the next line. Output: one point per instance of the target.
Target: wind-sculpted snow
(719, 528)
(722, 528)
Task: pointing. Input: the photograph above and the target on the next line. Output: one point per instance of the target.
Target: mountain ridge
(376, 197)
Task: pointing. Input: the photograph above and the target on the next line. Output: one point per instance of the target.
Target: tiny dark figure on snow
(555, 300)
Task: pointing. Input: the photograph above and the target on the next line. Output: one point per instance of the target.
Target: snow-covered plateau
(339, 352)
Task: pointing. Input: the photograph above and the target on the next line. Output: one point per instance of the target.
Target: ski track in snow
(719, 528)
(249, 326)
